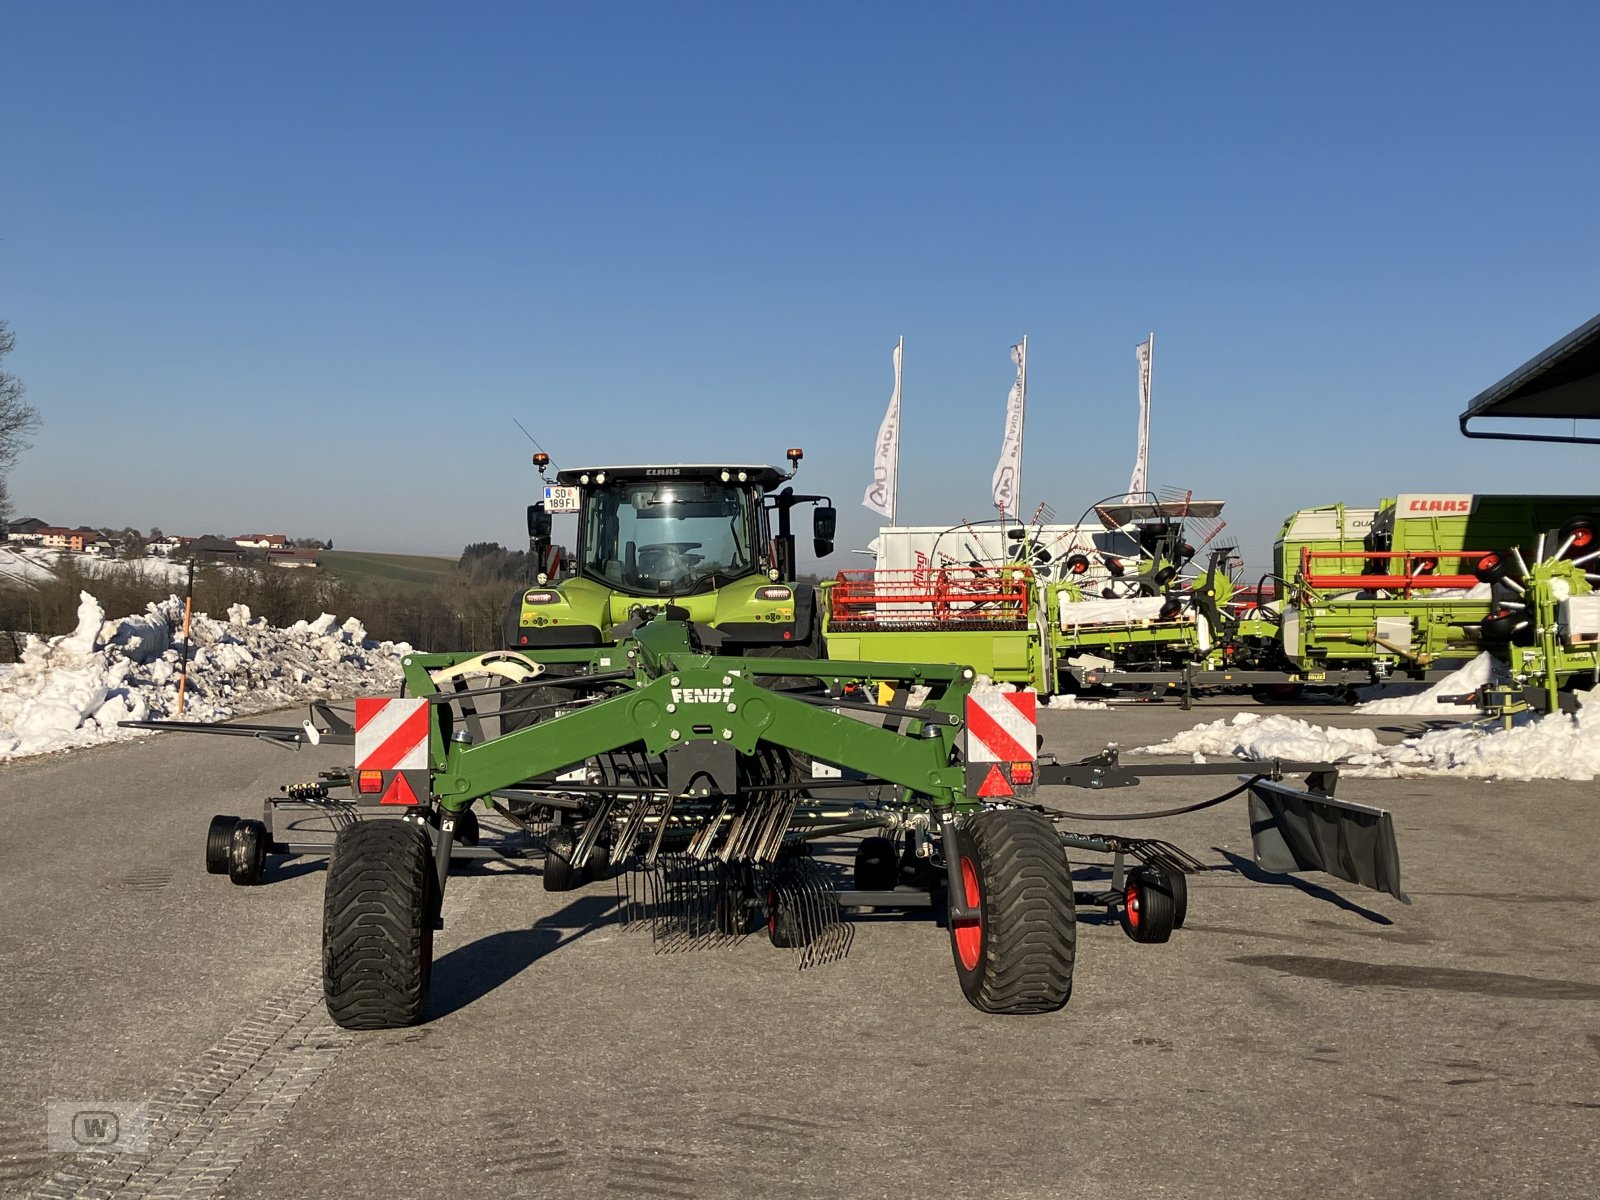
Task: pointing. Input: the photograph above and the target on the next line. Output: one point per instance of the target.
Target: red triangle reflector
(994, 783)
(400, 793)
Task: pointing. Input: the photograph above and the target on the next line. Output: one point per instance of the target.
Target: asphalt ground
(1298, 1038)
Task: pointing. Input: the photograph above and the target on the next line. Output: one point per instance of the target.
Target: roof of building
(1560, 383)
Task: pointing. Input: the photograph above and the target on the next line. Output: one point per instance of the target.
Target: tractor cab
(715, 539)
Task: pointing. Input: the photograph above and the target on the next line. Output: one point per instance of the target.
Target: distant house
(293, 558)
(166, 547)
(26, 530)
(101, 546)
(54, 538)
(213, 549)
(262, 541)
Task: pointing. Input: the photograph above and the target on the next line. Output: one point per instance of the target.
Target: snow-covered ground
(72, 690)
(35, 564)
(1555, 746)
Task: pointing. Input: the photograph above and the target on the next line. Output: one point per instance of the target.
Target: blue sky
(297, 267)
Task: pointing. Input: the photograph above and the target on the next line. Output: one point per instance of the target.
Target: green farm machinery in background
(1405, 590)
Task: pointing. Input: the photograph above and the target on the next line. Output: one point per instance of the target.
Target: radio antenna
(530, 437)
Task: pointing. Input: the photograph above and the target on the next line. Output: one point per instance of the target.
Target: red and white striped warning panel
(391, 735)
(1003, 726)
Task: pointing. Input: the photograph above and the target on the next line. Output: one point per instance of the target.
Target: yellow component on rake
(507, 664)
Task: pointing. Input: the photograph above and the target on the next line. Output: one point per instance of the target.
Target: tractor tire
(560, 844)
(1149, 905)
(1017, 956)
(218, 838)
(247, 853)
(877, 865)
(378, 914)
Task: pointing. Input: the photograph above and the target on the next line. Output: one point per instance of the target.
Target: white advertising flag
(1141, 464)
(881, 491)
(1008, 471)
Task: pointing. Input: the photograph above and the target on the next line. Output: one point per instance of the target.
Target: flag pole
(1022, 425)
(900, 361)
(1152, 405)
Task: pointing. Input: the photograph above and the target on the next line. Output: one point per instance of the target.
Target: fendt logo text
(702, 695)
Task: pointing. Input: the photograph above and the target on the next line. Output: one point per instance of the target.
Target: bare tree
(17, 419)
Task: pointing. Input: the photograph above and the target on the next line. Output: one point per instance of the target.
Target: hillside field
(393, 570)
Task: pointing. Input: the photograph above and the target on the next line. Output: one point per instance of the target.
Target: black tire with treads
(219, 836)
(377, 925)
(1018, 957)
(559, 875)
(247, 852)
(1149, 911)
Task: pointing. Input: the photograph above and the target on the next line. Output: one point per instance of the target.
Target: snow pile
(1063, 700)
(1249, 735)
(1556, 746)
(1429, 703)
(72, 690)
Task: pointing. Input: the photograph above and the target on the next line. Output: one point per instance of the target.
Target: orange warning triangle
(994, 783)
(400, 792)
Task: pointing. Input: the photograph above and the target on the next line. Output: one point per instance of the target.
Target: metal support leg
(956, 886)
(441, 853)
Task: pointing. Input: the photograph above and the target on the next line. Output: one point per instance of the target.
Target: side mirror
(540, 523)
(824, 524)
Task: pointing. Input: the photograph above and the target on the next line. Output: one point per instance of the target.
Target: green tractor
(714, 542)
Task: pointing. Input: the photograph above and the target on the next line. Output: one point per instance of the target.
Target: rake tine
(661, 833)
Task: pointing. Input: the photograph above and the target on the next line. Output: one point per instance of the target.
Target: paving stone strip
(223, 1105)
(220, 1107)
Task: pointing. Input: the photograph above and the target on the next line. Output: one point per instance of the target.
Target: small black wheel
(247, 853)
(218, 839)
(1492, 568)
(1180, 898)
(732, 914)
(1078, 564)
(786, 926)
(877, 865)
(1504, 625)
(1277, 693)
(599, 864)
(1580, 531)
(467, 831)
(1164, 576)
(1017, 955)
(1149, 906)
(378, 914)
(560, 844)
